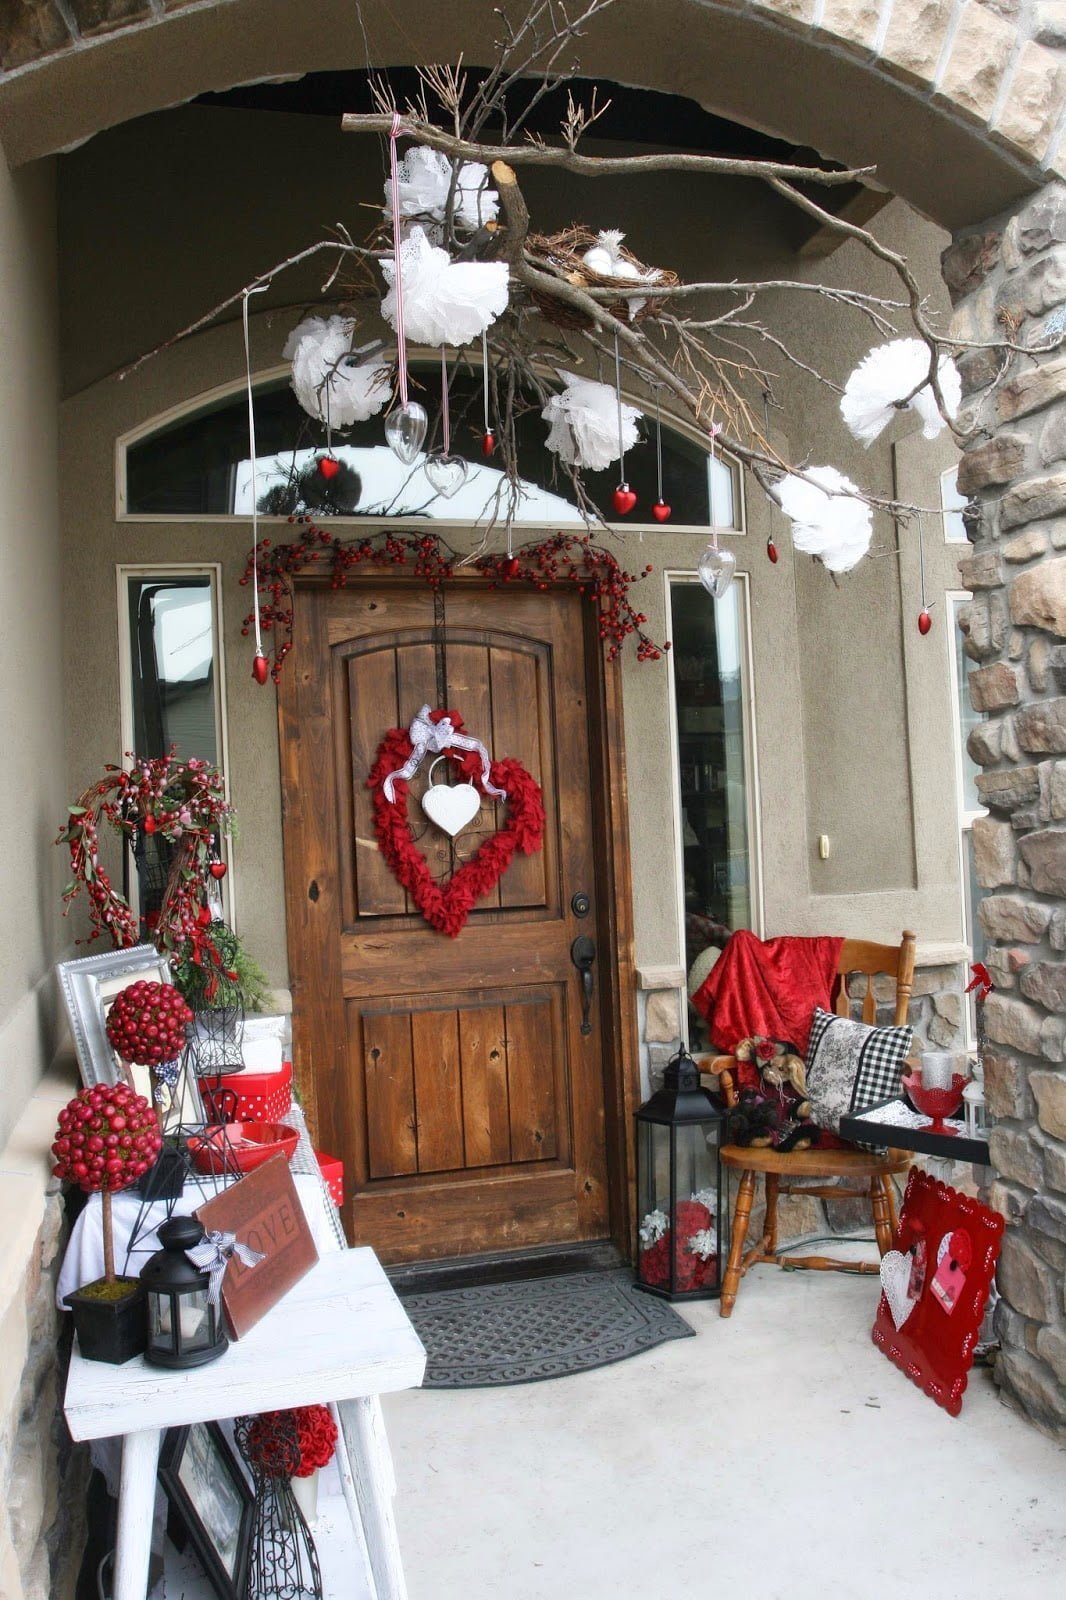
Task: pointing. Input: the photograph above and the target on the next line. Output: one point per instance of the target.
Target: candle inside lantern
(938, 1068)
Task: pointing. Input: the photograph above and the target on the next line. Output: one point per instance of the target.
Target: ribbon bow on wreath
(212, 1255)
(446, 907)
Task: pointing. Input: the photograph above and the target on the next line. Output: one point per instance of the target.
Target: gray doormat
(522, 1332)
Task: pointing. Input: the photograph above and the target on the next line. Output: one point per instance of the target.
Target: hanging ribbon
(259, 288)
(429, 737)
(213, 1255)
(445, 410)
(394, 174)
(618, 400)
(714, 430)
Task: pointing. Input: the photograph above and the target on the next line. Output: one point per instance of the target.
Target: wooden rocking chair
(868, 1175)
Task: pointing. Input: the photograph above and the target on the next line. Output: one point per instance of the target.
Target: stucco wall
(156, 227)
(31, 633)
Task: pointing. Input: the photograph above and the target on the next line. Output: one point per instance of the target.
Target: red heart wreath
(446, 907)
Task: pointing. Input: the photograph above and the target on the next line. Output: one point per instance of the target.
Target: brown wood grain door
(450, 1075)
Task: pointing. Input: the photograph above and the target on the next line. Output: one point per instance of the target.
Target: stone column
(1008, 280)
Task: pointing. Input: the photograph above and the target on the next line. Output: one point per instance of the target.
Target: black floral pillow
(851, 1065)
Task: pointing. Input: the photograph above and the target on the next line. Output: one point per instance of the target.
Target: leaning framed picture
(89, 987)
(212, 1504)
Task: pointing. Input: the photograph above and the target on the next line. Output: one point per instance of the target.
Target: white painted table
(340, 1336)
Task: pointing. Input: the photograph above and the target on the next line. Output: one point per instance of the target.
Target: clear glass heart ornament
(716, 570)
(405, 431)
(446, 474)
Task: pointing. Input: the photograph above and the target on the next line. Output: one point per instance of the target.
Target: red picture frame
(934, 1347)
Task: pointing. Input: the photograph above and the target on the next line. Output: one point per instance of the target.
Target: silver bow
(436, 737)
(213, 1253)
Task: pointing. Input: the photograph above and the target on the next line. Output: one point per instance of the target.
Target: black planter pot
(110, 1330)
(165, 1178)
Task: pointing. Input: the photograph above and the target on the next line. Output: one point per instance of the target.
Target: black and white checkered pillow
(851, 1065)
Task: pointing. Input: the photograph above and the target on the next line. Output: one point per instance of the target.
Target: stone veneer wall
(1008, 278)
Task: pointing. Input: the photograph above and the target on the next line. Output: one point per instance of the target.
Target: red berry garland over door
(450, 1074)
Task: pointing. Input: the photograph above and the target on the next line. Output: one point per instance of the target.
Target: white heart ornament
(447, 474)
(451, 807)
(895, 1278)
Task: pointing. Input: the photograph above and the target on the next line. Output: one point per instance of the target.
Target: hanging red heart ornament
(260, 667)
(328, 467)
(925, 622)
(217, 869)
(660, 511)
(447, 906)
(488, 443)
(511, 567)
(623, 499)
(772, 552)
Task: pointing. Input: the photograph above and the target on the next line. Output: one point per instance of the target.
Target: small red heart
(217, 869)
(150, 824)
(771, 551)
(328, 467)
(260, 667)
(623, 499)
(661, 511)
(925, 622)
(511, 567)
(488, 443)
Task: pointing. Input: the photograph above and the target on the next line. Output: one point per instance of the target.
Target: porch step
(504, 1266)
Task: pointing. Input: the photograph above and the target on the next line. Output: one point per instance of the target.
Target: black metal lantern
(184, 1328)
(682, 1221)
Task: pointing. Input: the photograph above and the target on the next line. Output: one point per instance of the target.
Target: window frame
(125, 571)
(270, 375)
(741, 586)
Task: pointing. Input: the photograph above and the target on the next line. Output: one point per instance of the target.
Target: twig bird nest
(565, 254)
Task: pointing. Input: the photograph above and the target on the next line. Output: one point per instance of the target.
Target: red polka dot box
(261, 1096)
(332, 1171)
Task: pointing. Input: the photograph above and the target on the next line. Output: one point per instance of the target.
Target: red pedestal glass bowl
(936, 1103)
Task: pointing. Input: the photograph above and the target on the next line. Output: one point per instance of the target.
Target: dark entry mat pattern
(505, 1333)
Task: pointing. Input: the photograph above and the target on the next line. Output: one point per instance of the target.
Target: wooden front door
(450, 1075)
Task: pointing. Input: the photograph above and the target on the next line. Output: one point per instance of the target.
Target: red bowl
(241, 1146)
(936, 1103)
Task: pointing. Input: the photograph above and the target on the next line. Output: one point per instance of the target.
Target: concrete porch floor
(776, 1456)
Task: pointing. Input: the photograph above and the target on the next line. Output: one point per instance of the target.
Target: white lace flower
(583, 423)
(655, 1224)
(703, 1244)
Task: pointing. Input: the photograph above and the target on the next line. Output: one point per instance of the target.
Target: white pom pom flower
(330, 384)
(885, 377)
(703, 1244)
(655, 1224)
(444, 301)
(425, 181)
(829, 518)
(583, 423)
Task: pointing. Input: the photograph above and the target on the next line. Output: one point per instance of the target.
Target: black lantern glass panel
(184, 1328)
(681, 1219)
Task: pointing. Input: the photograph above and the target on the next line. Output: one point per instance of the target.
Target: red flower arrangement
(146, 1023)
(569, 559)
(107, 1136)
(271, 1447)
(446, 907)
(691, 1269)
(184, 804)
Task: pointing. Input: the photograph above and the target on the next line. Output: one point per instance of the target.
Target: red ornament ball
(147, 1023)
(623, 499)
(106, 1137)
(328, 468)
(260, 667)
(925, 622)
(660, 511)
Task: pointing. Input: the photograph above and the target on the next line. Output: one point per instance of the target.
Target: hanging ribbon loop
(434, 738)
(213, 1255)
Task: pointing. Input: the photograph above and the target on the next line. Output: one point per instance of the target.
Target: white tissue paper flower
(706, 1197)
(829, 518)
(583, 423)
(425, 180)
(653, 1227)
(703, 1244)
(327, 380)
(444, 301)
(885, 377)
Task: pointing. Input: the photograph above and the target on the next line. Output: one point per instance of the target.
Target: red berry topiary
(106, 1138)
(147, 1023)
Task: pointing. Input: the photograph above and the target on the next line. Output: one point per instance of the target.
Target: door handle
(583, 954)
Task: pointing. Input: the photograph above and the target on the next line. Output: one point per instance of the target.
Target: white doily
(425, 181)
(583, 423)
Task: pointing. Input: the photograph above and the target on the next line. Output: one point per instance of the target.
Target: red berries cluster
(147, 1023)
(106, 1138)
(270, 1441)
(565, 558)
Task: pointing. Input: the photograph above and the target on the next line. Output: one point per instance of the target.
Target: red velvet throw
(769, 987)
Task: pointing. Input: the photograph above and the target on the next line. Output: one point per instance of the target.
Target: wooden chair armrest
(722, 1068)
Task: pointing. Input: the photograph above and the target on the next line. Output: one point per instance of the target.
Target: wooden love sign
(264, 1211)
